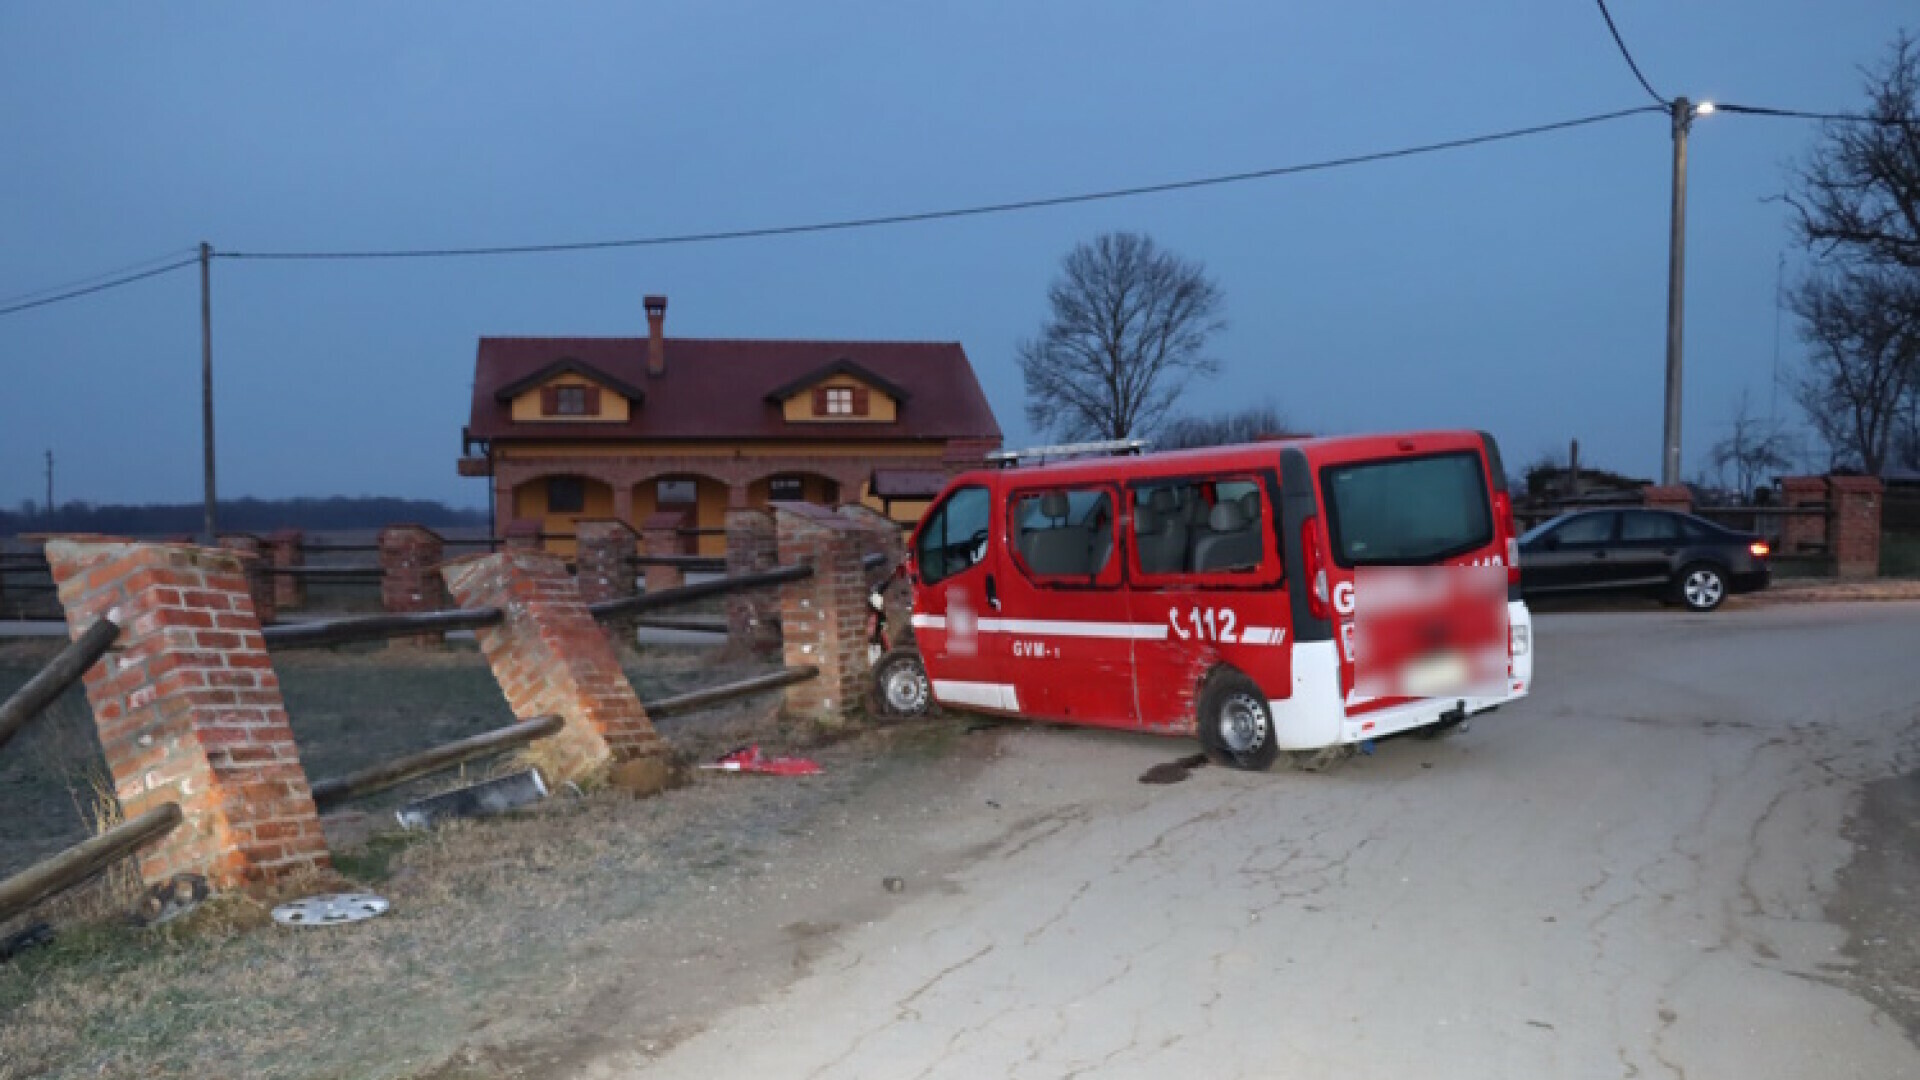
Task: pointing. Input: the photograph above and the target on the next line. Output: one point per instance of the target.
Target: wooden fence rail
(695, 699)
(84, 860)
(53, 680)
(317, 635)
(634, 605)
(330, 793)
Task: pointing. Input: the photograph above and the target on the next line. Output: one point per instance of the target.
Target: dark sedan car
(1695, 562)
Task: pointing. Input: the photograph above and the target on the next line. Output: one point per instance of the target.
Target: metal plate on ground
(331, 909)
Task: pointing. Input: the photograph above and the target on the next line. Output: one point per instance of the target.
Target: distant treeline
(240, 515)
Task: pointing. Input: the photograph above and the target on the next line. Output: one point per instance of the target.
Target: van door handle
(993, 594)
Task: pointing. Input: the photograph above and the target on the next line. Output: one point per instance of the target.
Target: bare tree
(1222, 428)
(1755, 447)
(1863, 329)
(1127, 331)
(1857, 198)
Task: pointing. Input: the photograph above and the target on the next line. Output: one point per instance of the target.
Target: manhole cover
(330, 909)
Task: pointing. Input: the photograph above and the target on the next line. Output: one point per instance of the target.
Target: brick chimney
(656, 335)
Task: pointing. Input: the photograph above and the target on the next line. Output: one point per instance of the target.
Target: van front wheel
(1236, 723)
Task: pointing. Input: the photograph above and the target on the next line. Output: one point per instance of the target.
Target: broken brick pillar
(410, 557)
(1853, 524)
(604, 559)
(286, 549)
(1803, 533)
(883, 536)
(551, 658)
(253, 560)
(1667, 497)
(660, 535)
(753, 615)
(823, 617)
(189, 710)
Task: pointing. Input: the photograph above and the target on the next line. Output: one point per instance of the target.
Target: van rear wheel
(1236, 723)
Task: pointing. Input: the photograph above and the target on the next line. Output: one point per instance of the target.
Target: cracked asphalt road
(1627, 875)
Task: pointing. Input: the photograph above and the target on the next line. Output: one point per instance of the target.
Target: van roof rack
(1007, 459)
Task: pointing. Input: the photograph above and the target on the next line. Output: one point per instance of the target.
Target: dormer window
(840, 401)
(570, 401)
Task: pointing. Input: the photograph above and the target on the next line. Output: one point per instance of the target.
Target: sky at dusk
(1519, 287)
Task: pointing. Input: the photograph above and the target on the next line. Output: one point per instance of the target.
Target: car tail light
(1760, 549)
(1310, 552)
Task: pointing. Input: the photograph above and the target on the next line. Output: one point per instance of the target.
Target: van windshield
(1407, 511)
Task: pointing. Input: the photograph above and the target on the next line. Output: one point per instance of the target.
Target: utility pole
(206, 382)
(49, 483)
(1676, 285)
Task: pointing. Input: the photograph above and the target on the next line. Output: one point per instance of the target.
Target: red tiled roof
(717, 389)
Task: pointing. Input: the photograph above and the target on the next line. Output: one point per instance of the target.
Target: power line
(34, 294)
(941, 215)
(115, 283)
(1628, 56)
(1797, 114)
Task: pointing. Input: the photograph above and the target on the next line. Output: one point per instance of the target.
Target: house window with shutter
(573, 401)
(566, 495)
(839, 401)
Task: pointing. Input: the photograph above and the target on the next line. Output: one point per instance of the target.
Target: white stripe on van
(929, 622)
(1064, 628)
(984, 695)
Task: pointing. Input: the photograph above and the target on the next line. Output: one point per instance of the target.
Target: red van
(1216, 592)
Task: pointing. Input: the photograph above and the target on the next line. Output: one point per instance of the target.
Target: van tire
(1236, 723)
(900, 687)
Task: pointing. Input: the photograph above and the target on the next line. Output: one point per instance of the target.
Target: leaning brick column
(410, 557)
(1853, 530)
(189, 711)
(882, 536)
(287, 548)
(1667, 497)
(1800, 533)
(550, 657)
(259, 582)
(753, 616)
(822, 621)
(660, 535)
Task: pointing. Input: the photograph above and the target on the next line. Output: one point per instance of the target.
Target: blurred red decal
(748, 759)
(1429, 631)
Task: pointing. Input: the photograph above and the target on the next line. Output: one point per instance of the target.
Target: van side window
(1202, 526)
(1064, 532)
(954, 536)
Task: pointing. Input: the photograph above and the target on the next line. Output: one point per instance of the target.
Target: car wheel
(900, 686)
(1236, 723)
(1701, 586)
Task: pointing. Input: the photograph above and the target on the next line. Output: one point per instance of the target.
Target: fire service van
(1280, 597)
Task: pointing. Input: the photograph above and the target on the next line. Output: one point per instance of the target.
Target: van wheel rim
(906, 690)
(1243, 724)
(1704, 588)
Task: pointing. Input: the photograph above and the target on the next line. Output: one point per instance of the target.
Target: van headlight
(1519, 639)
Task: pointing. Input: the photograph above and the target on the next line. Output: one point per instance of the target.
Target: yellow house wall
(530, 501)
(881, 409)
(709, 508)
(613, 405)
(623, 451)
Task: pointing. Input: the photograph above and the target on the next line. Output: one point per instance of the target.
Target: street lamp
(1683, 113)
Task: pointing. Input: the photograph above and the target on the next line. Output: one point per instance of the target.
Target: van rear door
(1404, 501)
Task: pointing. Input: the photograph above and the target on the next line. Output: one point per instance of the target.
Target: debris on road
(330, 909)
(894, 884)
(32, 937)
(748, 759)
(1172, 772)
(171, 899)
(494, 796)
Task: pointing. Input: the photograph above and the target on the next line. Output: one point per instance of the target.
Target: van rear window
(1407, 511)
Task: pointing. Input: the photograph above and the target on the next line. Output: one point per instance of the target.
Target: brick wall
(1667, 497)
(285, 548)
(660, 535)
(410, 556)
(604, 559)
(823, 617)
(550, 657)
(1802, 533)
(753, 617)
(188, 710)
(252, 551)
(1853, 524)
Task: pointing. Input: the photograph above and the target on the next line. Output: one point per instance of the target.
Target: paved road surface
(1624, 876)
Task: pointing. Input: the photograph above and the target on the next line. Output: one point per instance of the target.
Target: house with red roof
(566, 429)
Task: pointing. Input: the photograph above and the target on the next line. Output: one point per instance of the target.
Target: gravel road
(1641, 871)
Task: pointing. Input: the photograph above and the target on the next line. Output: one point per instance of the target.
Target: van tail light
(1760, 549)
(1317, 605)
(1503, 510)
